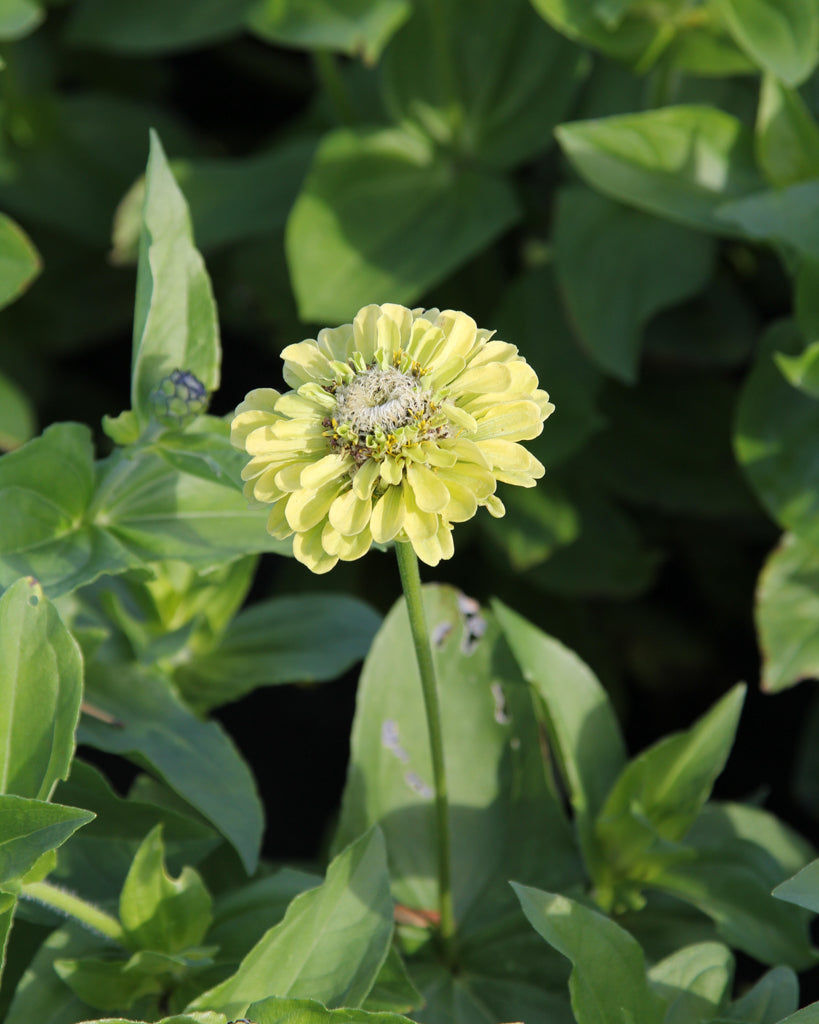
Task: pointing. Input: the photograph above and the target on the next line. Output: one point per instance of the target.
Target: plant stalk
(85, 913)
(411, 582)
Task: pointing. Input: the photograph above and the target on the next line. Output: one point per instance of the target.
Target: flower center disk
(381, 400)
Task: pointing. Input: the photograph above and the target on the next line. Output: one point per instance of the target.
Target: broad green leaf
(782, 36)
(359, 28)
(307, 1011)
(41, 683)
(159, 912)
(802, 889)
(104, 984)
(177, 1018)
(807, 1015)
(16, 416)
(531, 315)
(196, 759)
(740, 854)
(705, 47)
(775, 429)
(175, 325)
(779, 216)
(509, 79)
(7, 905)
(584, 733)
(775, 995)
(787, 614)
(695, 982)
(676, 162)
(617, 267)
(668, 784)
(579, 20)
(30, 828)
(537, 522)
(98, 859)
(394, 991)
(608, 983)
(383, 215)
(229, 200)
(155, 26)
(503, 813)
(275, 642)
(18, 18)
(331, 944)
(19, 260)
(787, 135)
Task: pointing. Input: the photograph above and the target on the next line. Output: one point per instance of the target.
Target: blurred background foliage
(627, 191)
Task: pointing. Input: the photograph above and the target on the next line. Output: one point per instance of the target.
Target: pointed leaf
(30, 828)
(19, 260)
(41, 681)
(775, 995)
(802, 889)
(695, 982)
(332, 942)
(782, 36)
(787, 135)
(307, 1011)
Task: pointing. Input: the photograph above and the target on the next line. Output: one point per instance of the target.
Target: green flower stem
(333, 84)
(411, 582)
(67, 903)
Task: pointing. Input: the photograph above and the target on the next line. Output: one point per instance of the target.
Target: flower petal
(277, 524)
(391, 471)
(332, 466)
(310, 505)
(365, 332)
(430, 493)
(481, 380)
(303, 363)
(366, 477)
(308, 549)
(349, 514)
(388, 515)
(518, 421)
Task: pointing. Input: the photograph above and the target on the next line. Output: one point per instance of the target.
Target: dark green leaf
(19, 17)
(159, 912)
(782, 36)
(536, 523)
(780, 216)
(104, 984)
(308, 1011)
(773, 997)
(584, 733)
(695, 982)
(16, 416)
(155, 26)
(579, 20)
(275, 642)
(196, 759)
(359, 28)
(19, 260)
(30, 828)
(508, 81)
(608, 982)
(677, 162)
(331, 944)
(617, 268)
(382, 215)
(787, 136)
(393, 991)
(775, 429)
(41, 682)
(802, 889)
(787, 614)
(175, 325)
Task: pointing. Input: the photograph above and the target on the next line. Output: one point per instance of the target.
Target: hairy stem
(411, 582)
(74, 906)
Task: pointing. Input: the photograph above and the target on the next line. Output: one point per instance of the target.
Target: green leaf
(782, 36)
(104, 984)
(19, 260)
(775, 995)
(779, 216)
(331, 944)
(30, 828)
(695, 982)
(787, 615)
(807, 1015)
(618, 267)
(359, 28)
(677, 162)
(41, 682)
(393, 991)
(584, 734)
(307, 1011)
(502, 808)
(382, 215)
(275, 642)
(159, 912)
(802, 889)
(18, 18)
(579, 20)
(776, 425)
(536, 523)
(787, 135)
(154, 26)
(196, 759)
(7, 906)
(16, 415)
(175, 325)
(229, 200)
(740, 854)
(668, 784)
(608, 982)
(509, 79)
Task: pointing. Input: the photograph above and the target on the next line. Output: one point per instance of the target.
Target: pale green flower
(398, 425)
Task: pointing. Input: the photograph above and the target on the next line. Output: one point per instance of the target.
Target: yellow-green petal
(310, 505)
(519, 421)
(388, 515)
(366, 477)
(349, 514)
(391, 471)
(303, 363)
(277, 524)
(495, 506)
(462, 504)
(365, 332)
(332, 466)
(308, 549)
(481, 380)
(430, 493)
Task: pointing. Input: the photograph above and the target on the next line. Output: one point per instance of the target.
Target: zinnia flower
(398, 425)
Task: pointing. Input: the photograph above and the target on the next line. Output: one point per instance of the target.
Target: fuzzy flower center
(387, 399)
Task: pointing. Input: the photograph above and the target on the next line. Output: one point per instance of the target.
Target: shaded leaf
(775, 995)
(16, 415)
(19, 260)
(695, 982)
(307, 1011)
(783, 216)
(782, 36)
(787, 135)
(30, 828)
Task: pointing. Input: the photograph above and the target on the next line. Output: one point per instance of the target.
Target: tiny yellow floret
(398, 425)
